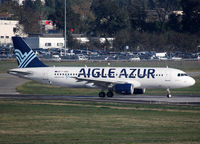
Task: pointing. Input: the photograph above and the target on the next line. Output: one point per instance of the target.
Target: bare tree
(163, 9)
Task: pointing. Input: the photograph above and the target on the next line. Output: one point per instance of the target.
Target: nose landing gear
(169, 93)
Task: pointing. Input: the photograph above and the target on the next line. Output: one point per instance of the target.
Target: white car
(56, 58)
(135, 58)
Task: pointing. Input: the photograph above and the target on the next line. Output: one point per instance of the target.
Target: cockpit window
(182, 74)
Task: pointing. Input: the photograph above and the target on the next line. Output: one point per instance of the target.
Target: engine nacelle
(125, 89)
(139, 91)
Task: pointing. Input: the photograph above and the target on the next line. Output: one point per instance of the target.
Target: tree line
(160, 25)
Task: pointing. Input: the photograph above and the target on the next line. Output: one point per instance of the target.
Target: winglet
(25, 55)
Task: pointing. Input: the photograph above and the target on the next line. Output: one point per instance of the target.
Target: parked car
(134, 58)
(56, 58)
(81, 57)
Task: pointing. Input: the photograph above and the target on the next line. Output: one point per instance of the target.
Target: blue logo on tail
(24, 59)
(25, 55)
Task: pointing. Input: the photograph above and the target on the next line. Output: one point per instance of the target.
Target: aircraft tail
(25, 55)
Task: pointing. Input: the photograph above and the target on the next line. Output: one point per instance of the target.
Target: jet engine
(125, 89)
(139, 91)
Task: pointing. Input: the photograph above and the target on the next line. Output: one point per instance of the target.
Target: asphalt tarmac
(8, 84)
(176, 100)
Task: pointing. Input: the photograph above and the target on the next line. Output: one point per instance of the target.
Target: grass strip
(84, 122)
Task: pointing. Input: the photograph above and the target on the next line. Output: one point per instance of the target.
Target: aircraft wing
(106, 83)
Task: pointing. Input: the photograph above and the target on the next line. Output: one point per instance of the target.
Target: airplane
(121, 80)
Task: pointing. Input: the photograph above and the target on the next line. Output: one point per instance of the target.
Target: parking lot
(98, 55)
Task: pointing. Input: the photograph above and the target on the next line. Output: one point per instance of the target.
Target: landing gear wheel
(102, 94)
(110, 94)
(169, 93)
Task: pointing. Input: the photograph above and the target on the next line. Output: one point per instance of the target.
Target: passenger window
(59, 44)
(47, 44)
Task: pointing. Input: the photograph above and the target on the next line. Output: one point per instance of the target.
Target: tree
(164, 8)
(82, 7)
(137, 14)
(9, 7)
(110, 18)
(57, 15)
(191, 15)
(174, 22)
(30, 15)
(122, 39)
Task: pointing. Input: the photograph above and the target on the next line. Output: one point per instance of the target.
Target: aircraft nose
(191, 81)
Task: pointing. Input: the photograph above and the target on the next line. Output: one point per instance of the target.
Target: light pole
(65, 29)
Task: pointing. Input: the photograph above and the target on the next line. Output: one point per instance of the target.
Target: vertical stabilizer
(25, 55)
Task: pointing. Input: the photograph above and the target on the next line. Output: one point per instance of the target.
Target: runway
(176, 100)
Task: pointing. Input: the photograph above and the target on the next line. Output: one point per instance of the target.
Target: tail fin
(25, 55)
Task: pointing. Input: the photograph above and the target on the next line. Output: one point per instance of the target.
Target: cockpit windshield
(182, 74)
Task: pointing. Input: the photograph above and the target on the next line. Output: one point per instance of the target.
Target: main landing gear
(169, 93)
(108, 94)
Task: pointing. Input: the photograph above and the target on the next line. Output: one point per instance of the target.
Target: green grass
(97, 123)
(32, 87)
(6, 65)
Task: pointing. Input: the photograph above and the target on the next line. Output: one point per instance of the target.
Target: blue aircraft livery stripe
(19, 55)
(29, 60)
(24, 59)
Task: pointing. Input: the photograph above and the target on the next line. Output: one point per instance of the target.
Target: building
(45, 41)
(47, 25)
(21, 1)
(8, 29)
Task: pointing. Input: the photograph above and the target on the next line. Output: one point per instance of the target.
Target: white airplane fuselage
(139, 77)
